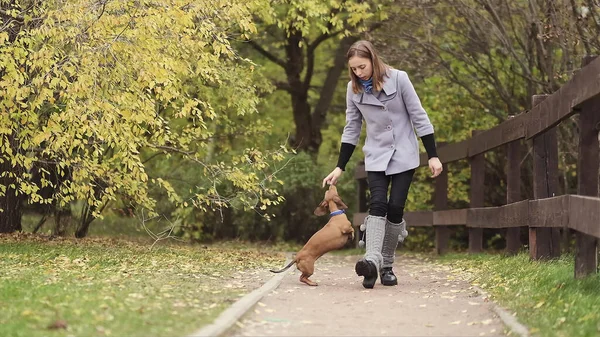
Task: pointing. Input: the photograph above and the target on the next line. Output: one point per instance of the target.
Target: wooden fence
(547, 213)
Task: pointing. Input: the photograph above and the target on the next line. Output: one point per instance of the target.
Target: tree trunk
(10, 218)
(303, 140)
(308, 123)
(329, 87)
(10, 202)
(85, 221)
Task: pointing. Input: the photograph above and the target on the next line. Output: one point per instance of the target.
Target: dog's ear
(340, 204)
(321, 209)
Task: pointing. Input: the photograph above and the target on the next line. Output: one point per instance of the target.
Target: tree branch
(504, 36)
(310, 56)
(6, 14)
(267, 54)
(577, 19)
(331, 81)
(283, 86)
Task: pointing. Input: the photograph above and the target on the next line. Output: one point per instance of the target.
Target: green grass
(545, 295)
(102, 287)
(111, 225)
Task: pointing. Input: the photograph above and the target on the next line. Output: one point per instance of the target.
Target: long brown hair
(365, 49)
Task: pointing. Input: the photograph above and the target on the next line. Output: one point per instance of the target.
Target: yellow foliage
(99, 87)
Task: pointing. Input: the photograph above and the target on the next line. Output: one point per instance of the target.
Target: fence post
(477, 193)
(544, 243)
(442, 233)
(588, 163)
(514, 151)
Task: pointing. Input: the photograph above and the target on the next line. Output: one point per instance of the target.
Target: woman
(386, 99)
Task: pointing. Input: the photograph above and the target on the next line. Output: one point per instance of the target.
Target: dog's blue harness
(339, 211)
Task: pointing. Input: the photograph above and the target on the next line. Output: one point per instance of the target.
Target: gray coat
(391, 144)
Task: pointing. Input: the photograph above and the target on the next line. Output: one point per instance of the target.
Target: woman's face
(362, 67)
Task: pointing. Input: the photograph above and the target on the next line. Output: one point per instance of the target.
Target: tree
(98, 88)
(501, 52)
(293, 33)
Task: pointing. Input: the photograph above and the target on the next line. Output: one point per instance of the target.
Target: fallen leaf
(455, 323)
(59, 324)
(486, 322)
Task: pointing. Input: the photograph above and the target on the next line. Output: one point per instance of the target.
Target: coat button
(392, 146)
(382, 108)
(389, 127)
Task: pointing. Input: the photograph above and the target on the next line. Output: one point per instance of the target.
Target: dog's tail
(284, 268)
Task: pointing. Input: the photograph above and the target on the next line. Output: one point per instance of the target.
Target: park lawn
(104, 287)
(544, 295)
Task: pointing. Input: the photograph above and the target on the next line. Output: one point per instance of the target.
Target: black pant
(378, 186)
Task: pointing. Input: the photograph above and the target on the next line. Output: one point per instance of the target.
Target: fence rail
(547, 212)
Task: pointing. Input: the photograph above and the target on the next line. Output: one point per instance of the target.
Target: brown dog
(332, 236)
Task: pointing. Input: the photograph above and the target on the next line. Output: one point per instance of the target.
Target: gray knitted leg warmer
(375, 233)
(394, 233)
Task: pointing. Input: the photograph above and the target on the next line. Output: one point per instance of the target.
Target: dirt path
(429, 301)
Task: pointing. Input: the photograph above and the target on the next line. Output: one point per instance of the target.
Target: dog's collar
(339, 211)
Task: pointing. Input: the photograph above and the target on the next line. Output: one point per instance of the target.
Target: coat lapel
(370, 99)
(389, 92)
(364, 98)
(389, 87)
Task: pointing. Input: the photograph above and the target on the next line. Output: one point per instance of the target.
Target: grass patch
(102, 287)
(545, 295)
(110, 225)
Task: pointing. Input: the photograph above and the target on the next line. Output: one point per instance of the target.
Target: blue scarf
(367, 85)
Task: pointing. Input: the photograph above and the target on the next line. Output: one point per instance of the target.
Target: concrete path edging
(509, 320)
(232, 314)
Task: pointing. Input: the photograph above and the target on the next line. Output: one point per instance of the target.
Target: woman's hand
(435, 165)
(333, 177)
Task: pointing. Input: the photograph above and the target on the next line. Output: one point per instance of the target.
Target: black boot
(387, 277)
(367, 269)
